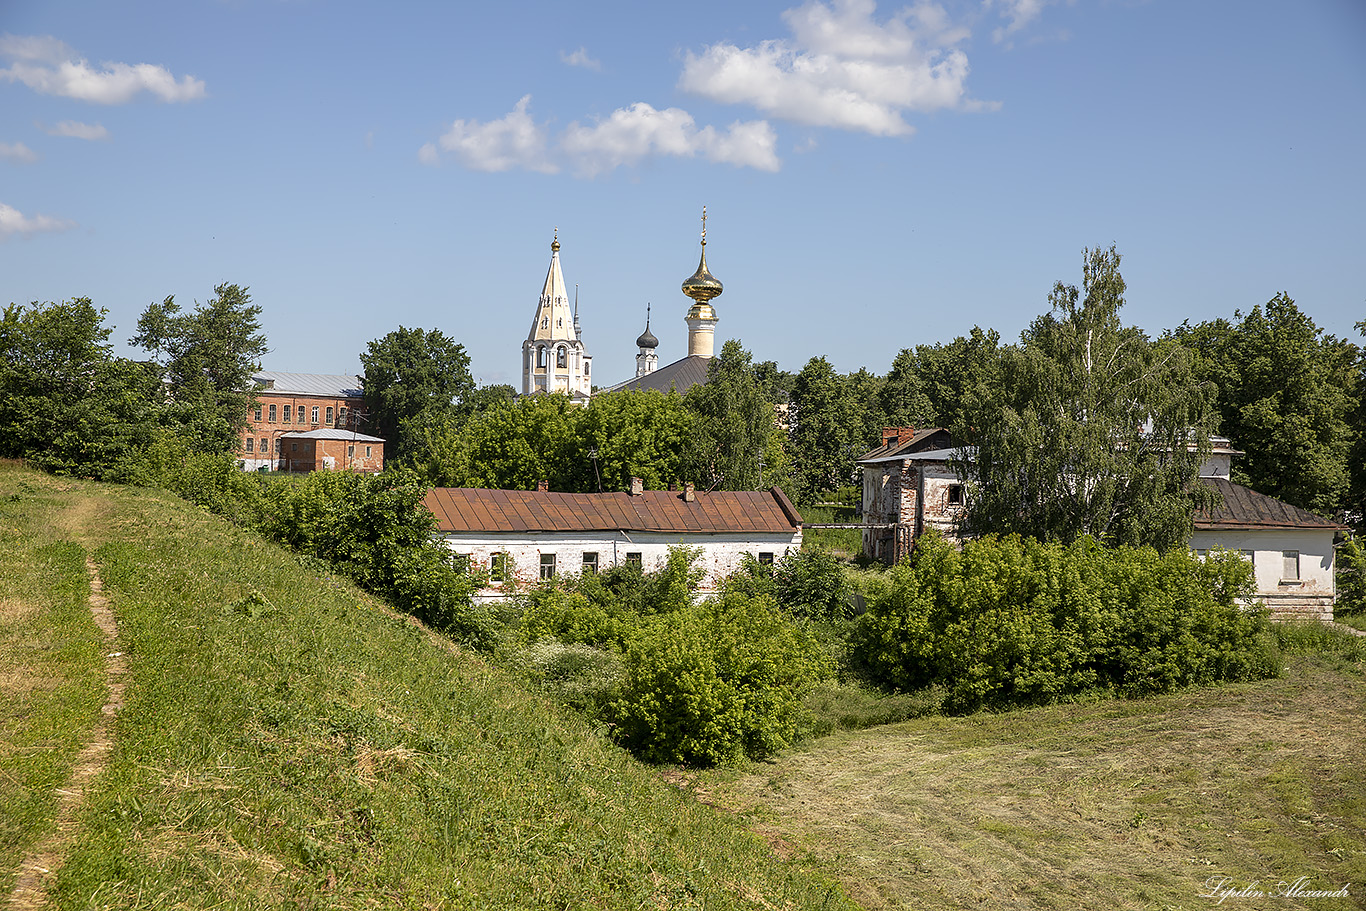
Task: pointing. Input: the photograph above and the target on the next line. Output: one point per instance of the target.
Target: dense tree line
(69, 405)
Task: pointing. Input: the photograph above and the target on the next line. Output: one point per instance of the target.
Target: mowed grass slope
(1114, 804)
(287, 741)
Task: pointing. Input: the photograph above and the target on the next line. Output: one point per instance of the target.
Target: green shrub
(1009, 621)
(1351, 578)
(715, 681)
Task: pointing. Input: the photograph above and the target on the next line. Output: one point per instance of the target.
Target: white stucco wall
(1311, 597)
(721, 553)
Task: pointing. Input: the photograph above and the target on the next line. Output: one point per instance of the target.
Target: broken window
(498, 567)
(955, 494)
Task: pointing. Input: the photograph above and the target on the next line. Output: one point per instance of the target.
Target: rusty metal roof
(1245, 508)
(721, 511)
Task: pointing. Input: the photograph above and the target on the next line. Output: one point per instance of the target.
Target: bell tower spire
(553, 355)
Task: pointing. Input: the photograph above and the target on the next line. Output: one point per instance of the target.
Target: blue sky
(875, 176)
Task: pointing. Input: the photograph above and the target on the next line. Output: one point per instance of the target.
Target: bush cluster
(679, 680)
(1009, 621)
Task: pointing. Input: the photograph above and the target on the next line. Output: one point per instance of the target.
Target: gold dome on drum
(702, 286)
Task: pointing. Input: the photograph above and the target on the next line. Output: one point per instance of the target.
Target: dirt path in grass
(40, 867)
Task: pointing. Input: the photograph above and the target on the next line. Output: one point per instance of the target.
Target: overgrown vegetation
(1012, 621)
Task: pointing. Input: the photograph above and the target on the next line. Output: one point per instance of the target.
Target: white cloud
(626, 137)
(633, 134)
(17, 152)
(1020, 13)
(512, 141)
(15, 223)
(77, 130)
(581, 58)
(842, 68)
(50, 67)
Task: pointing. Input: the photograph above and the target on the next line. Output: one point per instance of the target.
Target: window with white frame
(561, 357)
(329, 414)
(547, 566)
(272, 414)
(590, 562)
(315, 414)
(249, 442)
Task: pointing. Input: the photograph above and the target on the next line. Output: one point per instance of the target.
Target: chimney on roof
(542, 486)
(897, 435)
(688, 494)
(637, 487)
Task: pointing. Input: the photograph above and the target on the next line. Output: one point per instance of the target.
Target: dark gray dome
(647, 338)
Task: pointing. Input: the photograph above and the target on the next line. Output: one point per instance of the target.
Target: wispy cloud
(50, 67)
(77, 130)
(1020, 13)
(843, 68)
(626, 137)
(14, 223)
(17, 152)
(581, 58)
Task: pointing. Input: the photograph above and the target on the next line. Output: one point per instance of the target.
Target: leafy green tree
(903, 400)
(1088, 427)
(629, 434)
(414, 381)
(513, 446)
(949, 374)
(1288, 394)
(207, 358)
(833, 423)
(736, 443)
(65, 402)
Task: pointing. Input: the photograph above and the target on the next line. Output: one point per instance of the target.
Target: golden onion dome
(702, 286)
(555, 244)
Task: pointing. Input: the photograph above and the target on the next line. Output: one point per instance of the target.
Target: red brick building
(295, 405)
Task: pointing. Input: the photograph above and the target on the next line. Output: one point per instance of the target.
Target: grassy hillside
(288, 742)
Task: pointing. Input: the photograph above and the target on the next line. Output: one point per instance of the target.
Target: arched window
(561, 357)
(545, 322)
(540, 355)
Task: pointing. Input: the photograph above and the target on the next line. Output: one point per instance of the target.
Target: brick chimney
(688, 494)
(542, 486)
(637, 487)
(896, 435)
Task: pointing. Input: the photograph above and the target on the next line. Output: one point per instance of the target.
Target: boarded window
(1290, 565)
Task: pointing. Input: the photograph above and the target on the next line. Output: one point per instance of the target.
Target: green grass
(1099, 805)
(288, 742)
(843, 542)
(51, 664)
